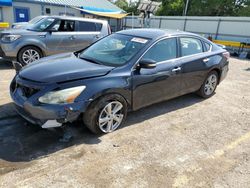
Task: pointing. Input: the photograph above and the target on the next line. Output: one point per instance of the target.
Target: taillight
(226, 55)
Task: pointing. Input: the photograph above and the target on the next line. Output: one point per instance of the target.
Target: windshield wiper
(91, 60)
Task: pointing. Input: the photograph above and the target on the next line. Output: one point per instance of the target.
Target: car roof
(155, 33)
(78, 19)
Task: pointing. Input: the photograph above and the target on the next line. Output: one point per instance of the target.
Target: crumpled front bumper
(8, 50)
(37, 113)
(40, 115)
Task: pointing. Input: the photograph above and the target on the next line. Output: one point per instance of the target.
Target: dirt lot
(185, 142)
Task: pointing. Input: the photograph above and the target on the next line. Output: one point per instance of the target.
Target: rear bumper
(224, 72)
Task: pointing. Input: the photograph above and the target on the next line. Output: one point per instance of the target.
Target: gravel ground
(185, 142)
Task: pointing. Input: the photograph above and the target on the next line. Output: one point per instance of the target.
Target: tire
(96, 117)
(35, 52)
(209, 86)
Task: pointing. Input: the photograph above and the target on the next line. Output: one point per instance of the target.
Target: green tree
(123, 4)
(245, 10)
(215, 7)
(133, 7)
(205, 8)
(171, 8)
(128, 7)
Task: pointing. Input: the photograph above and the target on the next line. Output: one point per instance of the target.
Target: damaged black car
(122, 72)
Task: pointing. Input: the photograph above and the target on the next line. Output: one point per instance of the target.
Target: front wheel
(209, 86)
(106, 115)
(29, 54)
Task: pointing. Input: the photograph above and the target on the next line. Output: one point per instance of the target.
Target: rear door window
(190, 46)
(89, 26)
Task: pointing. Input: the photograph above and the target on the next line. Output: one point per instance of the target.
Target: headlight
(62, 96)
(10, 38)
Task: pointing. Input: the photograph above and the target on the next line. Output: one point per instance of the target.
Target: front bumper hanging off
(45, 115)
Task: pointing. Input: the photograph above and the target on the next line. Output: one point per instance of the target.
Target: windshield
(42, 24)
(35, 20)
(114, 50)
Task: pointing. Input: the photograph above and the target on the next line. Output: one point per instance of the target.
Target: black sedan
(122, 72)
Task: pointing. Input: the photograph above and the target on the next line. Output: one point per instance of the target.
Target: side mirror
(147, 64)
(51, 30)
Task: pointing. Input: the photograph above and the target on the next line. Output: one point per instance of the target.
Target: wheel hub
(210, 84)
(30, 55)
(111, 117)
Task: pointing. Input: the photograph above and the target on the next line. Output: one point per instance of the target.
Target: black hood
(62, 67)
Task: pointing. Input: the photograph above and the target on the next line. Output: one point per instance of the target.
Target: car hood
(61, 68)
(21, 31)
(20, 23)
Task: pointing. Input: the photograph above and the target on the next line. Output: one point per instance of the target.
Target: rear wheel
(106, 114)
(29, 54)
(209, 86)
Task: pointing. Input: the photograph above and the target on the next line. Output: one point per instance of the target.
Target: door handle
(97, 36)
(176, 69)
(72, 38)
(206, 60)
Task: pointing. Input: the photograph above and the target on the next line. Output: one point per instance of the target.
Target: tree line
(194, 8)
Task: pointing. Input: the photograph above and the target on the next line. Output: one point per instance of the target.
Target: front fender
(31, 42)
(98, 87)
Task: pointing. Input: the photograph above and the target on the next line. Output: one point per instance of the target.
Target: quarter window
(190, 46)
(162, 51)
(207, 46)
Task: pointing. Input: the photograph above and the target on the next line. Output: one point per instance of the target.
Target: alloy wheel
(30, 55)
(211, 84)
(111, 117)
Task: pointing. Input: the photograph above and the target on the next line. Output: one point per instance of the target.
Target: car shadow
(4, 64)
(162, 108)
(22, 142)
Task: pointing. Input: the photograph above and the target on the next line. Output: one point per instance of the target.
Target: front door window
(162, 51)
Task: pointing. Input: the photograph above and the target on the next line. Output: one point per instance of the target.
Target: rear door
(62, 38)
(194, 65)
(162, 82)
(87, 33)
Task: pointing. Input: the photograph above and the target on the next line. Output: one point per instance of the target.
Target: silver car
(51, 35)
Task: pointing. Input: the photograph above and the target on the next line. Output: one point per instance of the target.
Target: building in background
(24, 10)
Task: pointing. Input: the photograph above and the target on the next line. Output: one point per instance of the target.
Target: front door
(21, 14)
(62, 37)
(161, 83)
